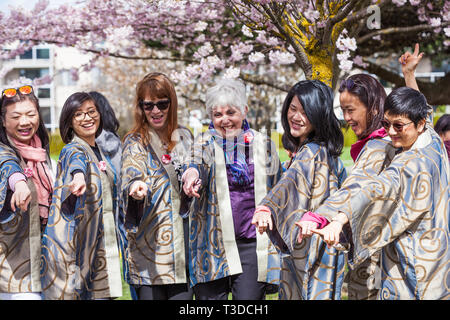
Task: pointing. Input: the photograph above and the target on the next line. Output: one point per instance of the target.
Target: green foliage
(349, 137)
(56, 145)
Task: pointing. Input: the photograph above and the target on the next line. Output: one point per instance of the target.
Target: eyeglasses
(80, 116)
(396, 125)
(347, 84)
(149, 105)
(12, 92)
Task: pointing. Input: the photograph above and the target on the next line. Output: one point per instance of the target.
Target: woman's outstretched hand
(262, 219)
(191, 183)
(138, 190)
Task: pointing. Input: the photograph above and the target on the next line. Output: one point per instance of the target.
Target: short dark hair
(443, 124)
(110, 122)
(404, 101)
(317, 101)
(41, 131)
(72, 104)
(372, 94)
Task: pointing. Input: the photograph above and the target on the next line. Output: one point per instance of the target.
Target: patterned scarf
(234, 151)
(36, 159)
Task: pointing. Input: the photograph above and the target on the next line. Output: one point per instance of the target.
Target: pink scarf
(36, 159)
(356, 148)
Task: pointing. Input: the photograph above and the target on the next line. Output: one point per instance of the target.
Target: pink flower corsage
(248, 137)
(102, 165)
(166, 158)
(28, 172)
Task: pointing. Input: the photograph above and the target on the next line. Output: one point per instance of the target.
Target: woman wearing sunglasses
(157, 228)
(362, 99)
(403, 211)
(310, 271)
(80, 247)
(25, 192)
(231, 169)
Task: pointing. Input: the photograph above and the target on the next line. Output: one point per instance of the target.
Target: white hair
(226, 92)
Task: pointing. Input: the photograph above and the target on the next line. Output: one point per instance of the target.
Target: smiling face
(299, 124)
(86, 121)
(156, 118)
(228, 120)
(355, 112)
(406, 136)
(21, 121)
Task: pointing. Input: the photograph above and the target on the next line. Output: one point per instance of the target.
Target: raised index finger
(416, 50)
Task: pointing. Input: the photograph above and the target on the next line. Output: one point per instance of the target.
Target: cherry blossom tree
(251, 39)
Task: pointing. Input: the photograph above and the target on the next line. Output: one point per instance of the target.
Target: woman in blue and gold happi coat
(25, 193)
(156, 221)
(81, 244)
(310, 270)
(403, 211)
(232, 168)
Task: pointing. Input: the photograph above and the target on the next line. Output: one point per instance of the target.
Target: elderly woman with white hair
(232, 168)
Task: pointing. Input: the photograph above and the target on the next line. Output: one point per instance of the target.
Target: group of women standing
(217, 214)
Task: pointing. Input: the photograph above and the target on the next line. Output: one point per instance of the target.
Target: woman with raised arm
(310, 271)
(26, 187)
(231, 169)
(80, 250)
(403, 211)
(154, 153)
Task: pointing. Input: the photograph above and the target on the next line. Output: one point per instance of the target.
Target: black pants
(180, 291)
(243, 286)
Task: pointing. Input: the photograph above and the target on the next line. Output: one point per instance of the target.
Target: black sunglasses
(149, 105)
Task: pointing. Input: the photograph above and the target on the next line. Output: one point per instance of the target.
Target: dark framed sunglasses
(396, 125)
(149, 105)
(12, 92)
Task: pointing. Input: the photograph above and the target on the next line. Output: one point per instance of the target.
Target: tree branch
(435, 92)
(420, 27)
(260, 81)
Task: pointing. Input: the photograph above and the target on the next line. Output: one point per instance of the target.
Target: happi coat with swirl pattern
(80, 248)
(156, 248)
(20, 236)
(404, 212)
(213, 248)
(310, 270)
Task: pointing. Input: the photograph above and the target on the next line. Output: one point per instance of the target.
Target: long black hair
(110, 122)
(317, 101)
(72, 104)
(41, 132)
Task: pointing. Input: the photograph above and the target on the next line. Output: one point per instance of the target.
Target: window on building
(43, 53)
(33, 73)
(46, 116)
(27, 54)
(43, 93)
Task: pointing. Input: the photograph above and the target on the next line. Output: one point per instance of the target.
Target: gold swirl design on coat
(372, 227)
(14, 225)
(419, 188)
(386, 294)
(319, 186)
(444, 272)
